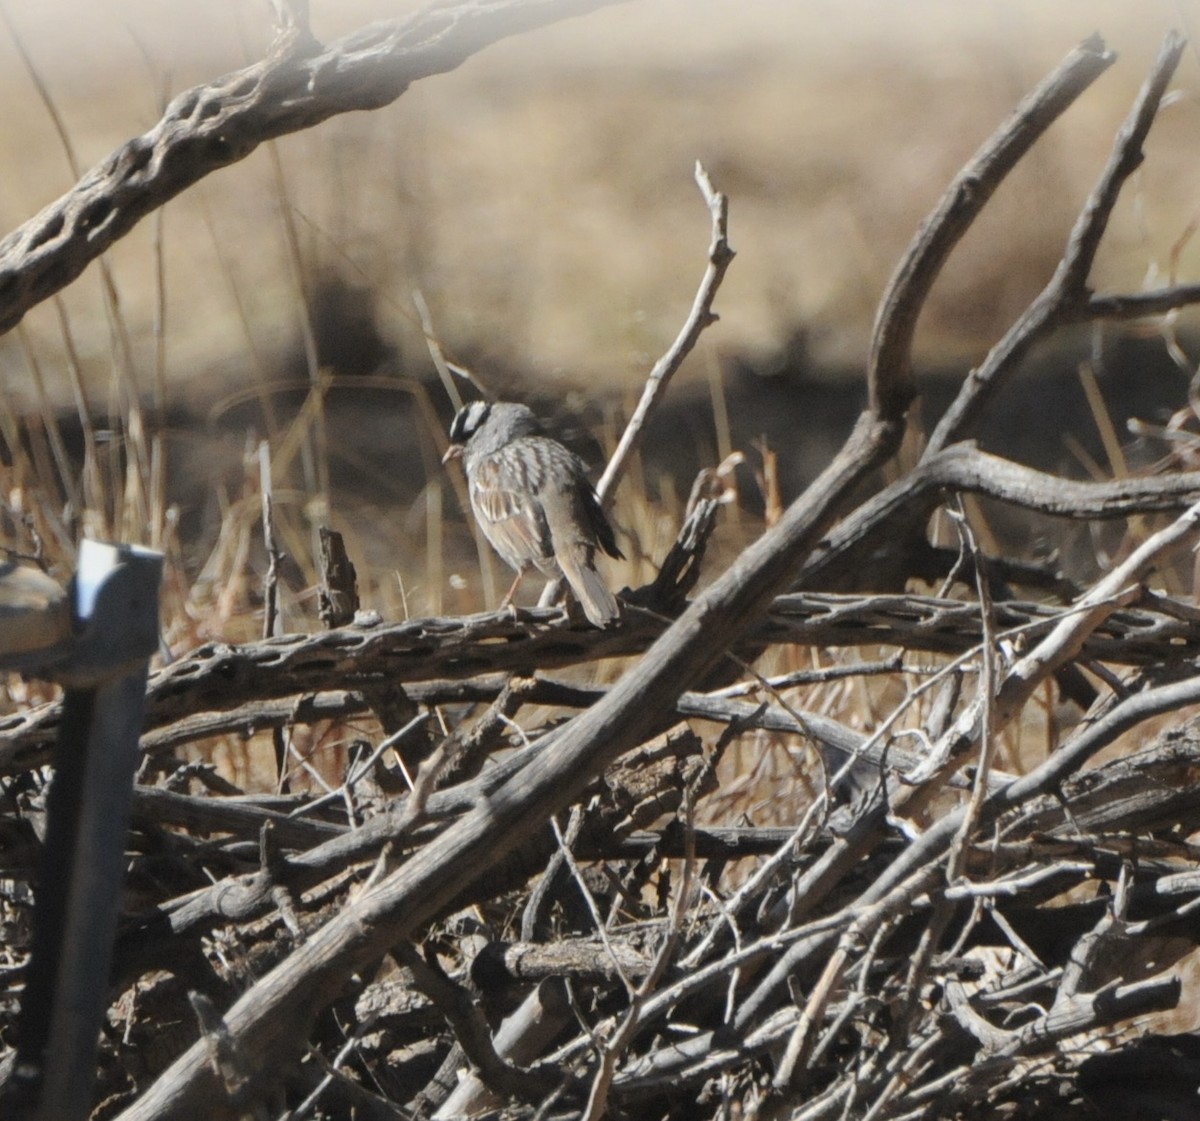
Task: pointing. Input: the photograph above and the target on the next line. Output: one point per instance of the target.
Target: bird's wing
(505, 502)
(598, 519)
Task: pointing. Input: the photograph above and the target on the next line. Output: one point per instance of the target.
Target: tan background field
(541, 196)
(541, 199)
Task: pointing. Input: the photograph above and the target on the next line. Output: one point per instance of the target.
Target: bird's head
(485, 423)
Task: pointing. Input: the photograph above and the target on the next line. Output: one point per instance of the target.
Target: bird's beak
(454, 451)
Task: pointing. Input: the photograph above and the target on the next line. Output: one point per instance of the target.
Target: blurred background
(541, 200)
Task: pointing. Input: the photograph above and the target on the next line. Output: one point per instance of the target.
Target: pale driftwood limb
(820, 676)
(711, 843)
(992, 1038)
(1117, 589)
(298, 85)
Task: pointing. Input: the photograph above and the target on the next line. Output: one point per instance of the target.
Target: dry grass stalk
(851, 963)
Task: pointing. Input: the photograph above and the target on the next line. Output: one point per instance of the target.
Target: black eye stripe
(468, 419)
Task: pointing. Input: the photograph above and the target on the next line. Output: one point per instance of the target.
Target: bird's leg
(506, 604)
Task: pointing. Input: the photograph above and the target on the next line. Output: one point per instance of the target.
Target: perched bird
(533, 501)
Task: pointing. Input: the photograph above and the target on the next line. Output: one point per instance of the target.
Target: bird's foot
(510, 611)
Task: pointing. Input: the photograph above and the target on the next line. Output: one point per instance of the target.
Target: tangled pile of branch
(546, 922)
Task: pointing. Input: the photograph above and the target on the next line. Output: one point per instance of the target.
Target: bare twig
(701, 316)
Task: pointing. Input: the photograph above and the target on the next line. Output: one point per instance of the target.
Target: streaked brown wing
(567, 473)
(509, 513)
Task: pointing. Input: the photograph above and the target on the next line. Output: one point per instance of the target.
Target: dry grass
(541, 199)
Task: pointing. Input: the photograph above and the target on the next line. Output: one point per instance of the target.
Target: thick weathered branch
(298, 85)
(872, 540)
(273, 684)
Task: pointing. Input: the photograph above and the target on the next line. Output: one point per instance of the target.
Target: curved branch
(298, 85)
(896, 321)
(872, 527)
(1066, 296)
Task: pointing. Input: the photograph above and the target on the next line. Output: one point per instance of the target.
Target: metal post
(82, 871)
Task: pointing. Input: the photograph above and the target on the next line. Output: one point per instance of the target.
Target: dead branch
(298, 85)
(720, 255)
(226, 689)
(1067, 289)
(942, 943)
(896, 321)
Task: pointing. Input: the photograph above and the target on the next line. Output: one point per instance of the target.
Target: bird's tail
(598, 603)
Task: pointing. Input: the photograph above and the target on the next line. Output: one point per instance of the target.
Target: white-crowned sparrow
(533, 501)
